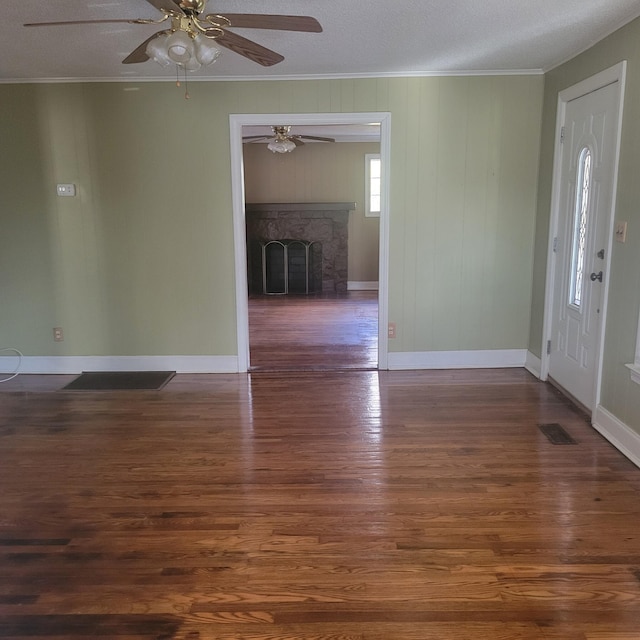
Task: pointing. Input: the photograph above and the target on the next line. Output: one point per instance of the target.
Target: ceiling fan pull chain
(186, 82)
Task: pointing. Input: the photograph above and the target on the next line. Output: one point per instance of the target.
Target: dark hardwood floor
(314, 333)
(346, 505)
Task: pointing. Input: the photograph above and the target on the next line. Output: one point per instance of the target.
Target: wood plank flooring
(345, 505)
(314, 333)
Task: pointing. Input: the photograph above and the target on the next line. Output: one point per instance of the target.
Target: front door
(581, 243)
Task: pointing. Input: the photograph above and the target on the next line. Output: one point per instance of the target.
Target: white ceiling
(360, 39)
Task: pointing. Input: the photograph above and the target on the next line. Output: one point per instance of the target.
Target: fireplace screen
(291, 266)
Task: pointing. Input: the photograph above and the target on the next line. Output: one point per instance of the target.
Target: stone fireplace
(324, 224)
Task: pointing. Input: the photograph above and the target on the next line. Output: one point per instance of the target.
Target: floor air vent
(556, 434)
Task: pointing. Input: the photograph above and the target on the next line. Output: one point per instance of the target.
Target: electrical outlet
(392, 329)
(58, 336)
(621, 232)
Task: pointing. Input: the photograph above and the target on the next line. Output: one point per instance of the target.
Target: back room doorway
(326, 319)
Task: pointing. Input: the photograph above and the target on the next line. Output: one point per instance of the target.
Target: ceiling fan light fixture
(205, 50)
(184, 49)
(281, 146)
(192, 65)
(157, 51)
(180, 47)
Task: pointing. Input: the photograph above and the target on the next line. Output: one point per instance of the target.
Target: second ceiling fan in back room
(283, 141)
(191, 36)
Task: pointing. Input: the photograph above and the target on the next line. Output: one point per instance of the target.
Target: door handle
(596, 276)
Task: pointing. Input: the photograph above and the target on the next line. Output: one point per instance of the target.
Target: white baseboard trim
(353, 285)
(620, 435)
(489, 359)
(533, 365)
(78, 364)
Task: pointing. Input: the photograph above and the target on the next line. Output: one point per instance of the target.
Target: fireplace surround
(315, 223)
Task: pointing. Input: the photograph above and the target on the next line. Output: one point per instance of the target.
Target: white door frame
(615, 74)
(236, 122)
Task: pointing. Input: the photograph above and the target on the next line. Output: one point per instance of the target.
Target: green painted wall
(320, 172)
(141, 262)
(464, 176)
(620, 395)
(27, 223)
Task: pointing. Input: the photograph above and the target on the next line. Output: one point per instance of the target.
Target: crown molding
(284, 78)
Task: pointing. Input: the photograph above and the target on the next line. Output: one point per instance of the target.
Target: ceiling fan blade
(249, 49)
(167, 5)
(264, 21)
(55, 24)
(255, 138)
(296, 140)
(139, 54)
(318, 138)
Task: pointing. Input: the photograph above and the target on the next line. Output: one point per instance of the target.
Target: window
(373, 181)
(583, 190)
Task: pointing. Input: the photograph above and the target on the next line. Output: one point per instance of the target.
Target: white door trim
(236, 122)
(615, 74)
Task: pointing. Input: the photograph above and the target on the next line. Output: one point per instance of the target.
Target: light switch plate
(66, 189)
(621, 231)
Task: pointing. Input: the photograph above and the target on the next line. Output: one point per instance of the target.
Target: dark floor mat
(119, 380)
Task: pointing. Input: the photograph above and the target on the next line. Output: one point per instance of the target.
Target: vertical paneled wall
(464, 176)
(145, 255)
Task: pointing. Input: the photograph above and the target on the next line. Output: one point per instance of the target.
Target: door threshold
(309, 369)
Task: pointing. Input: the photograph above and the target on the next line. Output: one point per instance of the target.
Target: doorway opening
(324, 318)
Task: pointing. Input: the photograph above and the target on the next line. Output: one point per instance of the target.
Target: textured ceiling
(366, 38)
